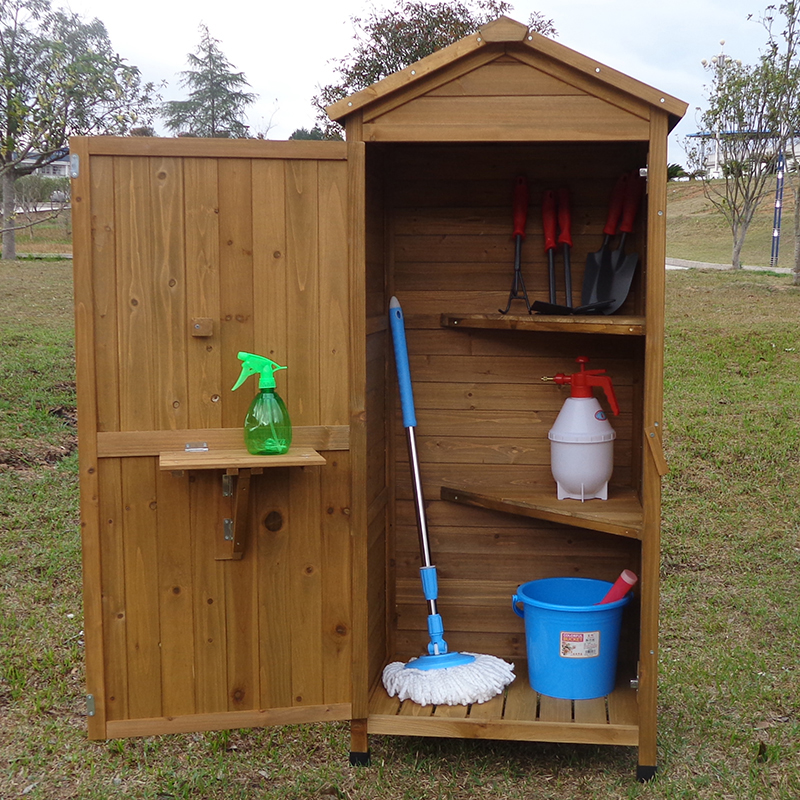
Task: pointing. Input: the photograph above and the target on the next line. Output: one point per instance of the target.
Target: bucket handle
(514, 602)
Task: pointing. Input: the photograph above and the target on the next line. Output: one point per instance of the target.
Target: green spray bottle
(267, 428)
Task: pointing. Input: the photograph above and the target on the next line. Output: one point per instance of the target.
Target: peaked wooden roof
(500, 37)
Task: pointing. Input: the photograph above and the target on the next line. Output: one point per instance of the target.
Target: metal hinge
(195, 447)
(74, 165)
(90, 709)
(228, 523)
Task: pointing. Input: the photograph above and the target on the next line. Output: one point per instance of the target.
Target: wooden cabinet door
(188, 251)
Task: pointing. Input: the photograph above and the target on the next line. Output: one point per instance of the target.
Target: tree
(59, 76)
(315, 134)
(40, 198)
(743, 120)
(217, 100)
(752, 117)
(388, 41)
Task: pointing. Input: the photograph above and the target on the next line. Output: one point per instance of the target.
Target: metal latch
(196, 447)
(90, 709)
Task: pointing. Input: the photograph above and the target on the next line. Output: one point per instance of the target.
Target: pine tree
(217, 100)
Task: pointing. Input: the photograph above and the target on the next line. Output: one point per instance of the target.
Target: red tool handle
(549, 219)
(520, 206)
(626, 581)
(564, 219)
(633, 196)
(615, 207)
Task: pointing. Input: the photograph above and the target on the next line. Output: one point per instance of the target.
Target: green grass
(729, 709)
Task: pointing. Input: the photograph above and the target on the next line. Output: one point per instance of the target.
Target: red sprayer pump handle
(520, 206)
(584, 381)
(549, 220)
(626, 581)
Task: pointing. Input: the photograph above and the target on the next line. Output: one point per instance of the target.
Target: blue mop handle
(401, 360)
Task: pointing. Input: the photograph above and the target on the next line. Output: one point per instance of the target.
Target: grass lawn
(729, 712)
(698, 232)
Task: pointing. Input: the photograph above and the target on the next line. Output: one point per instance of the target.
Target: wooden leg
(359, 743)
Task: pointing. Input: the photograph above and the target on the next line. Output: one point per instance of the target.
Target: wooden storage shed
(226, 590)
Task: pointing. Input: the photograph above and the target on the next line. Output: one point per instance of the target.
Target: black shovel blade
(596, 264)
(621, 280)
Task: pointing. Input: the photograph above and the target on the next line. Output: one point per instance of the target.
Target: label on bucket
(580, 645)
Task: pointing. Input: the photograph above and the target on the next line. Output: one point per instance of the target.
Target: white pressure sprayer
(582, 439)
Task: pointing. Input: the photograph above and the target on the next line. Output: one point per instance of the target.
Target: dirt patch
(32, 454)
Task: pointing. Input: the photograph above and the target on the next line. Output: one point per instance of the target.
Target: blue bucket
(572, 642)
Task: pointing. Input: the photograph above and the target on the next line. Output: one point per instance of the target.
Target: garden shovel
(618, 278)
(599, 262)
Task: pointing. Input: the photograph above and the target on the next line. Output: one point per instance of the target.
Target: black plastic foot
(645, 774)
(359, 759)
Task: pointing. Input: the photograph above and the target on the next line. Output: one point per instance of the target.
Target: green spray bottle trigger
(251, 364)
(267, 428)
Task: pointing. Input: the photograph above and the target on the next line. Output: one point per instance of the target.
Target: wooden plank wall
(259, 246)
(482, 409)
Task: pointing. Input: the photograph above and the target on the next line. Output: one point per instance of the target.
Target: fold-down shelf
(620, 326)
(621, 514)
(237, 459)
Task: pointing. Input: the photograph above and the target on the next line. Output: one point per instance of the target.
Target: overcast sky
(285, 48)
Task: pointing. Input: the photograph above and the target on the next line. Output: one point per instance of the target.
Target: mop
(440, 677)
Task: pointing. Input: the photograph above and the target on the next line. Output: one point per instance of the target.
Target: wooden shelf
(237, 459)
(621, 514)
(620, 326)
(519, 713)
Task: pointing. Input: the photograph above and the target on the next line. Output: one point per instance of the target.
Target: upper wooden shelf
(620, 326)
(238, 459)
(621, 514)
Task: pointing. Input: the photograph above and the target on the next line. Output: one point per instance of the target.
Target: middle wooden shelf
(621, 514)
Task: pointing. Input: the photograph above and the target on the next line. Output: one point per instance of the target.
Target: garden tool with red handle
(556, 212)
(520, 220)
(600, 261)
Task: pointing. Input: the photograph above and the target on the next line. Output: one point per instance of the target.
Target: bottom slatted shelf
(519, 713)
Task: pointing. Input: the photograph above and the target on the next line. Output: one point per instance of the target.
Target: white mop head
(475, 682)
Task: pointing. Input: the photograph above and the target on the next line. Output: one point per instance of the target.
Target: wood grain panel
(169, 287)
(176, 595)
(135, 295)
(566, 118)
(334, 287)
(211, 666)
(303, 299)
(336, 565)
(142, 587)
(112, 553)
(275, 609)
(506, 79)
(201, 222)
(306, 586)
(104, 287)
(270, 259)
(236, 284)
